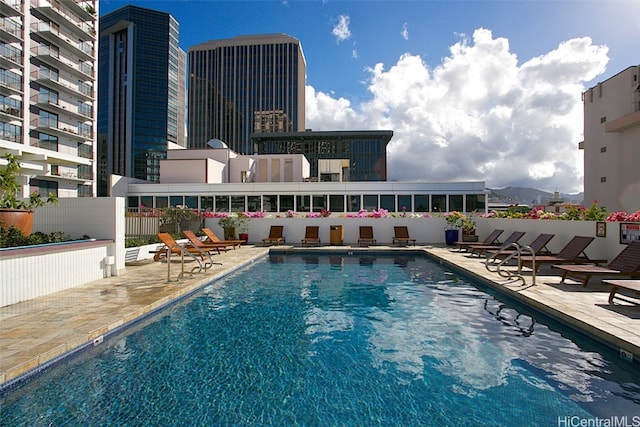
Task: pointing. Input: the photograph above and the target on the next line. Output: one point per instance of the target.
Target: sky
(473, 90)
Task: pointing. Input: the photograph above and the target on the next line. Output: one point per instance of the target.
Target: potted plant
(468, 226)
(454, 223)
(243, 226)
(231, 222)
(16, 212)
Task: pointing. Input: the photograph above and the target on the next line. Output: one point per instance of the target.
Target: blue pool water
(341, 340)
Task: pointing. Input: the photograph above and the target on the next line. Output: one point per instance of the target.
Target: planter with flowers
(232, 222)
(468, 227)
(455, 221)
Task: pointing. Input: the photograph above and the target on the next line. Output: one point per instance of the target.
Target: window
(222, 203)
(176, 201)
(286, 202)
(48, 142)
(404, 200)
(388, 202)
(475, 202)
(43, 188)
(162, 202)
(254, 204)
(422, 202)
(455, 202)
(370, 202)
(603, 149)
(354, 202)
(48, 119)
(270, 203)
(603, 179)
(303, 203)
(319, 203)
(336, 203)
(439, 203)
(47, 96)
(237, 204)
(191, 202)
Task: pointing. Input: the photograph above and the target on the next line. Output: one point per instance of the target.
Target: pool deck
(36, 332)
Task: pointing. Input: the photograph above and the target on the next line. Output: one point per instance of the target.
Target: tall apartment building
(47, 93)
(612, 142)
(141, 93)
(245, 84)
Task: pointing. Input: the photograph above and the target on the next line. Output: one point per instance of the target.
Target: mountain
(530, 196)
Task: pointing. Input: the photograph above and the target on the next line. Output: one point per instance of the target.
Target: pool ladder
(489, 263)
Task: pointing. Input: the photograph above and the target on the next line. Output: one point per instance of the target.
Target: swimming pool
(334, 340)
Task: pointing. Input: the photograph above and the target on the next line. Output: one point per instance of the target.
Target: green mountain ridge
(530, 196)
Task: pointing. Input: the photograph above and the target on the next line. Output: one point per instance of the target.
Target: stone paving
(37, 331)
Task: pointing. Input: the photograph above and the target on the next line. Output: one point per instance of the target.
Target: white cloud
(478, 115)
(341, 29)
(405, 31)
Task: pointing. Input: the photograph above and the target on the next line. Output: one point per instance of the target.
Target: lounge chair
(491, 239)
(617, 285)
(538, 246)
(401, 235)
(311, 235)
(513, 238)
(571, 253)
(366, 236)
(627, 263)
(173, 247)
(276, 235)
(211, 237)
(205, 246)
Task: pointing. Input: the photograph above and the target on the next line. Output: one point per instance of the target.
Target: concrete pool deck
(36, 332)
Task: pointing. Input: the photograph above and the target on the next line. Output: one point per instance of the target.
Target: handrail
(517, 253)
(200, 267)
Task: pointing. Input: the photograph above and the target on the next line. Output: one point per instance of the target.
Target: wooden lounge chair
(205, 246)
(617, 285)
(571, 253)
(491, 239)
(366, 236)
(311, 235)
(185, 251)
(513, 238)
(211, 237)
(627, 263)
(401, 235)
(276, 235)
(538, 246)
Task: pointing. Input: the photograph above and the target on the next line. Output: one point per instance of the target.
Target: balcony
(53, 58)
(63, 17)
(83, 92)
(10, 113)
(11, 8)
(623, 123)
(55, 37)
(60, 129)
(10, 31)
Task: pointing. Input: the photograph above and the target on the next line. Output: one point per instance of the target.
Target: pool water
(333, 340)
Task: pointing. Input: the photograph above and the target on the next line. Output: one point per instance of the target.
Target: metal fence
(144, 223)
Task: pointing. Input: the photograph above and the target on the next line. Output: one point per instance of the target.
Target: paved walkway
(35, 332)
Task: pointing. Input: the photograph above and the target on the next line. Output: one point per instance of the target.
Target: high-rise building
(141, 93)
(47, 93)
(245, 84)
(612, 142)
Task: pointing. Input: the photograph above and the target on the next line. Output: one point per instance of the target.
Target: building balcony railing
(52, 57)
(56, 13)
(83, 50)
(11, 111)
(61, 129)
(12, 137)
(81, 90)
(12, 7)
(11, 30)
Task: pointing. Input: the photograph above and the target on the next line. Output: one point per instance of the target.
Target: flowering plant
(230, 221)
(624, 217)
(454, 219)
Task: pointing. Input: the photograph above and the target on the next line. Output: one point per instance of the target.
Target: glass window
(146, 201)
(222, 204)
(439, 203)
(162, 202)
(286, 202)
(370, 202)
(303, 203)
(253, 204)
(354, 203)
(388, 202)
(206, 203)
(176, 201)
(422, 202)
(270, 203)
(319, 203)
(132, 202)
(191, 202)
(455, 202)
(404, 201)
(476, 202)
(237, 204)
(336, 203)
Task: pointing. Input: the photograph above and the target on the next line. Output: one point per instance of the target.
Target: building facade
(612, 142)
(48, 94)
(141, 93)
(364, 152)
(244, 84)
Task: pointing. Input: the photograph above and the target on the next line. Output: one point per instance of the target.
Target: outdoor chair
(184, 251)
(537, 246)
(211, 237)
(513, 238)
(401, 235)
(491, 239)
(311, 235)
(366, 236)
(571, 253)
(205, 246)
(276, 235)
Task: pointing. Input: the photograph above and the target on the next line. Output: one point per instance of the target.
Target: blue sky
(473, 90)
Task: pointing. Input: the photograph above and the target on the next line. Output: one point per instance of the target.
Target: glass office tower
(243, 85)
(141, 93)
